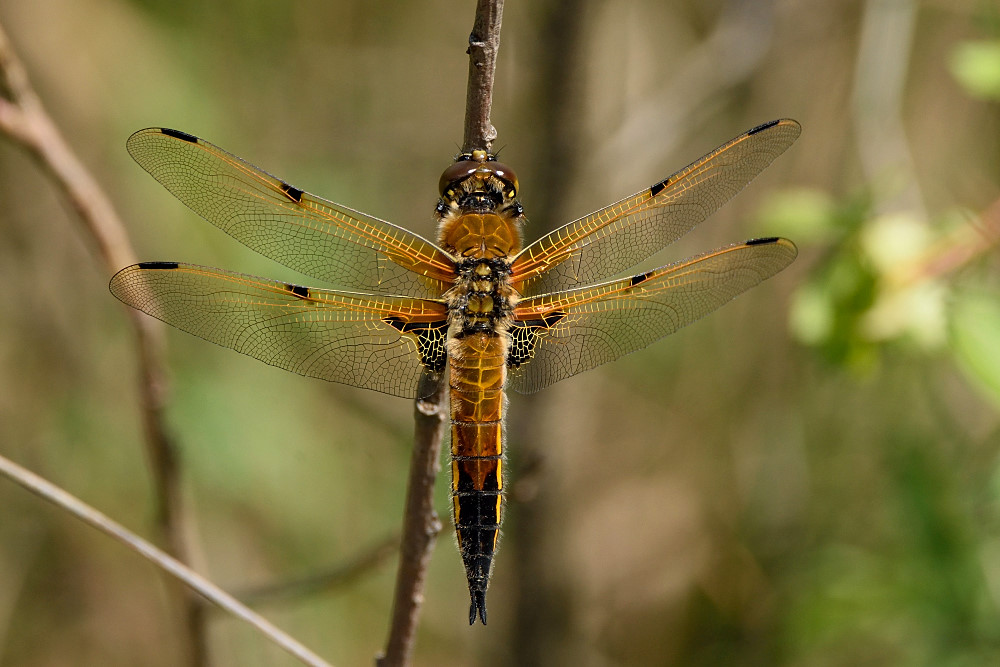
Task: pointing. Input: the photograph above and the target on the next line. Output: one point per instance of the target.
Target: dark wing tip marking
(658, 187)
(762, 127)
(160, 266)
(763, 241)
(291, 192)
(298, 290)
(177, 134)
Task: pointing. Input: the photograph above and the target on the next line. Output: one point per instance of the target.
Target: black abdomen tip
(478, 607)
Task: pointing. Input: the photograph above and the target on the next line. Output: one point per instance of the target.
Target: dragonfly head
(477, 181)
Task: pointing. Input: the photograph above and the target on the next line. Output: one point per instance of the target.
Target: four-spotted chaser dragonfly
(476, 304)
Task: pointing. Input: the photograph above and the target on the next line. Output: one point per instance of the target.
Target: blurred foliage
(976, 65)
(808, 477)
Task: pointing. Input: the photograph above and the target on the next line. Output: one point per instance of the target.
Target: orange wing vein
(369, 341)
(558, 335)
(302, 231)
(623, 234)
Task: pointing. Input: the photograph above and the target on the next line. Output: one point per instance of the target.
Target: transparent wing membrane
(623, 234)
(307, 233)
(559, 335)
(374, 342)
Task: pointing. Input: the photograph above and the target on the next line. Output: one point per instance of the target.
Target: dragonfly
(476, 307)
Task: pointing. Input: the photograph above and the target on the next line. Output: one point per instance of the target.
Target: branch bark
(24, 119)
(484, 42)
(421, 524)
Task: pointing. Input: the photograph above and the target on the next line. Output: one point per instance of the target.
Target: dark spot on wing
(658, 188)
(158, 265)
(525, 333)
(291, 192)
(762, 127)
(177, 134)
(298, 290)
(763, 241)
(431, 338)
(642, 277)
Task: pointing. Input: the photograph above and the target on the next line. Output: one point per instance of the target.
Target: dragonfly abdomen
(478, 371)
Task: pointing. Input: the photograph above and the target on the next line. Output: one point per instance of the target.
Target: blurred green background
(808, 477)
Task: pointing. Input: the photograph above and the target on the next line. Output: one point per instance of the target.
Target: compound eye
(456, 172)
(507, 175)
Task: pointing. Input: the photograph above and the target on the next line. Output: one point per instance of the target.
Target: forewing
(374, 342)
(623, 234)
(558, 335)
(302, 231)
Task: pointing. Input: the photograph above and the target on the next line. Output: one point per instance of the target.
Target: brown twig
(23, 118)
(484, 42)
(172, 566)
(421, 524)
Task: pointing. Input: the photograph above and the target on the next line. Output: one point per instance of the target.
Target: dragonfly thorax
(482, 299)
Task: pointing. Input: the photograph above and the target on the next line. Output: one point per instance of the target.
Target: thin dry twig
(421, 524)
(23, 118)
(484, 42)
(175, 568)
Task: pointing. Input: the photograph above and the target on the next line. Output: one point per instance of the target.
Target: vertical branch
(421, 524)
(24, 119)
(484, 42)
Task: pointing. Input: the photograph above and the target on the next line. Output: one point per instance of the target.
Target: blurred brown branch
(24, 119)
(172, 566)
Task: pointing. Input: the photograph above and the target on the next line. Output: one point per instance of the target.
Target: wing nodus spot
(658, 188)
(642, 277)
(292, 192)
(177, 134)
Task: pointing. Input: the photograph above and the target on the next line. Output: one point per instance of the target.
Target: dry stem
(23, 118)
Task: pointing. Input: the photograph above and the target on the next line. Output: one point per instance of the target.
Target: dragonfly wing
(623, 234)
(302, 231)
(375, 342)
(558, 335)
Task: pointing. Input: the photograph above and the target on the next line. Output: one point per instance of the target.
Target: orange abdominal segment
(478, 371)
